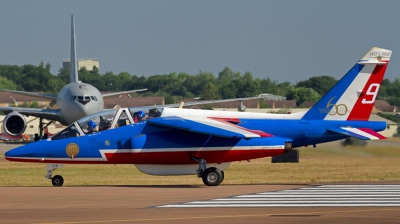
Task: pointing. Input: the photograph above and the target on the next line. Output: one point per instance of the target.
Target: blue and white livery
(176, 141)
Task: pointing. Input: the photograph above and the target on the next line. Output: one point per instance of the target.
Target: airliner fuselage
(78, 100)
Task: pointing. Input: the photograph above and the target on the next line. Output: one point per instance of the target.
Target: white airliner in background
(74, 101)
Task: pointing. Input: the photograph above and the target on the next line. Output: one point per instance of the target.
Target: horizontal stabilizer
(206, 126)
(361, 133)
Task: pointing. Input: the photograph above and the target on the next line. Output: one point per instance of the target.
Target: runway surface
(146, 204)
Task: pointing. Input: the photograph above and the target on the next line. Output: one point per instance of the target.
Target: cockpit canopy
(108, 119)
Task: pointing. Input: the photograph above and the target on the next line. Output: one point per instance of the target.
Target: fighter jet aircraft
(177, 141)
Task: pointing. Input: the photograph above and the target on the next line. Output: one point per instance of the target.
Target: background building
(83, 62)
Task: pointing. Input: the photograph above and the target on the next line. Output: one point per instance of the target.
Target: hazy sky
(282, 40)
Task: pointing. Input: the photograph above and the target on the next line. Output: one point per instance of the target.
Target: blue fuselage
(144, 143)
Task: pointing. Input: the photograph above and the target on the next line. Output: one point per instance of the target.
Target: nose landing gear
(57, 180)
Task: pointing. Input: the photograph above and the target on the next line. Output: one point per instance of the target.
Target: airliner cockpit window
(82, 99)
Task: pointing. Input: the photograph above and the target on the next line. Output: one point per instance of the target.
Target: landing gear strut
(57, 180)
(42, 126)
(211, 176)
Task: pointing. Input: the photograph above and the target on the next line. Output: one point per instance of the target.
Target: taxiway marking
(316, 196)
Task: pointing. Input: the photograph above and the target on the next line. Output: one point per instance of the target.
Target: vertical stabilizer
(353, 97)
(73, 69)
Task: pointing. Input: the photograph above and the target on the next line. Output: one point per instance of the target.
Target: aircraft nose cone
(23, 151)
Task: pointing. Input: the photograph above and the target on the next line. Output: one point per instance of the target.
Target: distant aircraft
(75, 100)
(176, 141)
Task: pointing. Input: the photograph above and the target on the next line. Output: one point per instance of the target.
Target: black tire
(212, 177)
(57, 181)
(223, 176)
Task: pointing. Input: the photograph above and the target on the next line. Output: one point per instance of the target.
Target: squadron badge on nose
(72, 150)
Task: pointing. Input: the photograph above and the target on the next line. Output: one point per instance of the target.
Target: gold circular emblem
(334, 110)
(342, 109)
(72, 150)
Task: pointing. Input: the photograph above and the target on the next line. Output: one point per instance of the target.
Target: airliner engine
(14, 123)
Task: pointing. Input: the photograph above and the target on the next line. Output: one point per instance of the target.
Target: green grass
(375, 151)
(322, 164)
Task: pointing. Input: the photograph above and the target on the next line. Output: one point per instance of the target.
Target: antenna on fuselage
(73, 70)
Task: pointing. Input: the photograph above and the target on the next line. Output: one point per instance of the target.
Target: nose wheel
(57, 181)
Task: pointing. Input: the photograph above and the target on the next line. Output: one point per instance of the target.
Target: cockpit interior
(105, 120)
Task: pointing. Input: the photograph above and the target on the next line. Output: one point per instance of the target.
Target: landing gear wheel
(212, 177)
(57, 181)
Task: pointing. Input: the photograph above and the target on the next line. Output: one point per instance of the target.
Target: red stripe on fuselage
(164, 157)
(362, 111)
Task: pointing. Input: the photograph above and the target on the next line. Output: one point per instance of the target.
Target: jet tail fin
(73, 69)
(353, 97)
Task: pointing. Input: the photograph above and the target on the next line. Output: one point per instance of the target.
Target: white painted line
(343, 189)
(311, 195)
(327, 192)
(358, 186)
(293, 202)
(279, 205)
(308, 198)
(321, 196)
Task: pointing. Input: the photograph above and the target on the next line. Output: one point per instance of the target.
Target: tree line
(176, 86)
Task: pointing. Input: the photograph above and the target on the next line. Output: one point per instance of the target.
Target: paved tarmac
(139, 204)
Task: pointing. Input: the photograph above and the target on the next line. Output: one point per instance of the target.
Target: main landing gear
(211, 176)
(57, 180)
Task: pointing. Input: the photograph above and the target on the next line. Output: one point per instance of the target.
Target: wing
(191, 103)
(361, 133)
(213, 101)
(43, 95)
(121, 93)
(207, 126)
(41, 113)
